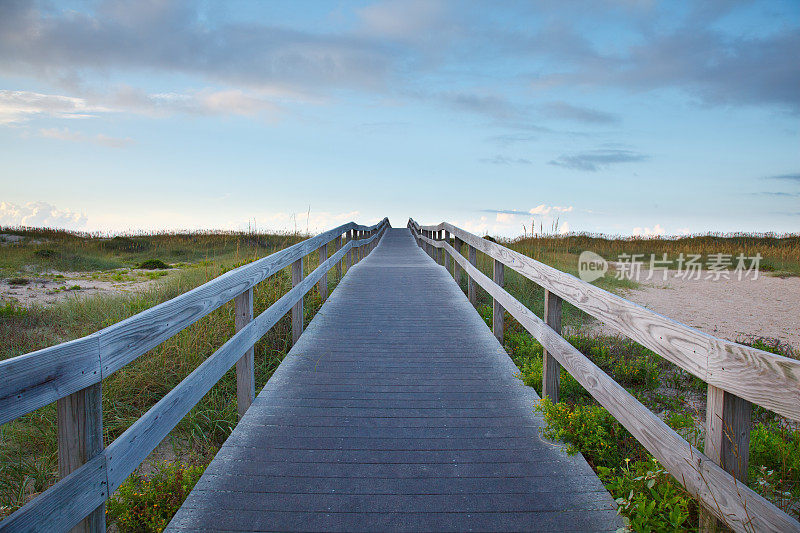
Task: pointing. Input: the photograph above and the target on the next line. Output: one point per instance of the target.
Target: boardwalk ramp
(397, 410)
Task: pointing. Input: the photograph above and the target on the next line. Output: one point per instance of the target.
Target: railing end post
(80, 439)
(297, 309)
(245, 366)
(551, 369)
(498, 313)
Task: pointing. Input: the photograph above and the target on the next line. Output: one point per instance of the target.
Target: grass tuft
(153, 264)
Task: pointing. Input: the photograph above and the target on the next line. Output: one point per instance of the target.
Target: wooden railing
(71, 374)
(737, 375)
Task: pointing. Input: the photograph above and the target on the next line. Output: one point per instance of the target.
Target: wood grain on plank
(83, 492)
(65, 504)
(329, 436)
(551, 369)
(125, 341)
(36, 379)
(472, 292)
(245, 366)
(322, 285)
(141, 438)
(734, 503)
(766, 379)
(497, 309)
(80, 439)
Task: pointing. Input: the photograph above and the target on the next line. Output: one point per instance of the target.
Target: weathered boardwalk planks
(397, 409)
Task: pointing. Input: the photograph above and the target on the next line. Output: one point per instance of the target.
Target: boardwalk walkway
(396, 410)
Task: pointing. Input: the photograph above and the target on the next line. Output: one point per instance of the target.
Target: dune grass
(28, 456)
(28, 452)
(43, 250)
(780, 254)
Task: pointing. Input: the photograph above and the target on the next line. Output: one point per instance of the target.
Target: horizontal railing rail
(74, 370)
(733, 372)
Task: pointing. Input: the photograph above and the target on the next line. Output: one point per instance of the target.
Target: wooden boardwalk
(397, 409)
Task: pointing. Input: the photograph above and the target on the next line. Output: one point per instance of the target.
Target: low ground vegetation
(28, 453)
(780, 254)
(649, 498)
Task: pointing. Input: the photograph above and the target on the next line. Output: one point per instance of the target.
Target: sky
(622, 117)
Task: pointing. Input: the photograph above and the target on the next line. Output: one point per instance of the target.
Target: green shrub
(18, 281)
(154, 264)
(148, 503)
(591, 430)
(527, 354)
(626, 361)
(649, 498)
(12, 310)
(45, 253)
(775, 465)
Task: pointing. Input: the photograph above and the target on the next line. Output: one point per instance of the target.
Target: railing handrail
(769, 380)
(33, 380)
(80, 493)
(728, 499)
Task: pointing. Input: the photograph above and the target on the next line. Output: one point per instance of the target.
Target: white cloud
(201, 102)
(65, 134)
(543, 209)
(478, 227)
(656, 231)
(40, 214)
(19, 106)
(512, 223)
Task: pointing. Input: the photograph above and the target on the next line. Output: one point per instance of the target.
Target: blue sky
(613, 116)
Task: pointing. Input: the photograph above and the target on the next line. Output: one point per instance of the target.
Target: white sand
(47, 290)
(768, 306)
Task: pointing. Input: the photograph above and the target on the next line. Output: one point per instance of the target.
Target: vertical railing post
(498, 313)
(727, 440)
(551, 369)
(457, 243)
(471, 289)
(80, 439)
(349, 258)
(440, 251)
(337, 247)
(446, 255)
(322, 284)
(245, 382)
(297, 309)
